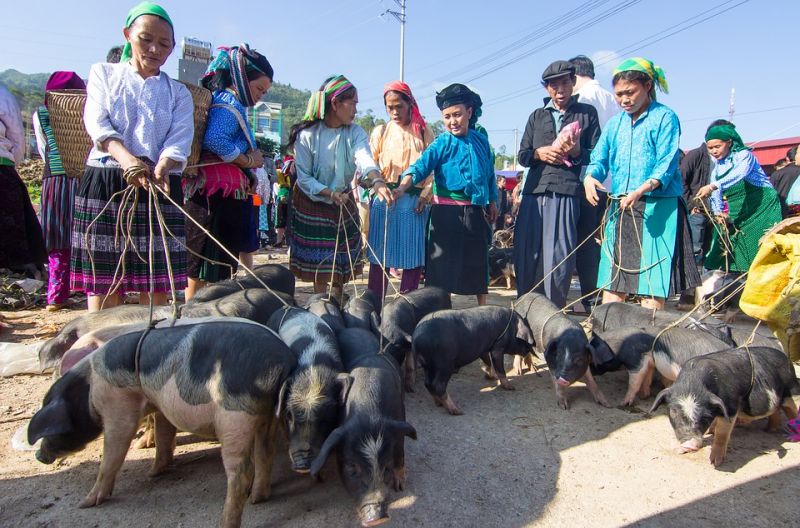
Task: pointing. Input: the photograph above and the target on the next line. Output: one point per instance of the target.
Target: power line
(560, 37)
(647, 41)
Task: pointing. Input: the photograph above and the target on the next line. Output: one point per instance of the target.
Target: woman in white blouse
(325, 240)
(137, 117)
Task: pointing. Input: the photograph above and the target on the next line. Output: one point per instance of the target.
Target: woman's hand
(256, 157)
(339, 198)
(401, 189)
(424, 200)
(161, 173)
(590, 188)
(383, 192)
(630, 199)
(705, 191)
(721, 218)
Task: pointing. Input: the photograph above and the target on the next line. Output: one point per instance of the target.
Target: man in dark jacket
(546, 228)
(784, 178)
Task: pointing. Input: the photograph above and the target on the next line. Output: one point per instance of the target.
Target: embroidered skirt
(405, 233)
(98, 251)
(313, 243)
(58, 199)
(647, 250)
(457, 257)
(21, 239)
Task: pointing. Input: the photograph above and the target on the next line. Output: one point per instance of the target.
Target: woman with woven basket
(325, 240)
(58, 195)
(218, 198)
(141, 125)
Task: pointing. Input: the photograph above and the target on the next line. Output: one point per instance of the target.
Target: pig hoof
(158, 470)
(563, 403)
(507, 386)
(92, 499)
(399, 480)
(716, 458)
(261, 496)
(602, 401)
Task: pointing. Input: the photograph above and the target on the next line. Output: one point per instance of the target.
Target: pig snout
(373, 514)
(562, 382)
(44, 457)
(689, 446)
(301, 461)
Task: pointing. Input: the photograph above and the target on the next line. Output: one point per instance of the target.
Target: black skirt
(223, 218)
(457, 256)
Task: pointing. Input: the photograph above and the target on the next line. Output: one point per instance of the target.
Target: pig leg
(448, 404)
(147, 439)
(637, 379)
(773, 422)
(120, 415)
(518, 362)
(399, 471)
(237, 458)
(264, 455)
(647, 384)
(789, 408)
(165, 445)
(722, 434)
(591, 384)
(561, 395)
(486, 367)
(500, 370)
(409, 371)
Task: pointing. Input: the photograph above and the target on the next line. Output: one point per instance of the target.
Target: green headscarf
(648, 68)
(145, 8)
(727, 133)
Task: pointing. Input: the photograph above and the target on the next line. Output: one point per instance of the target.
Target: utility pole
(516, 148)
(732, 106)
(401, 17)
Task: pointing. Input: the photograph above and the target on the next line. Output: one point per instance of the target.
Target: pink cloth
(568, 131)
(58, 276)
(441, 200)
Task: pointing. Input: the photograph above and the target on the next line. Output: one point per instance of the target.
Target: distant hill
(27, 88)
(294, 103)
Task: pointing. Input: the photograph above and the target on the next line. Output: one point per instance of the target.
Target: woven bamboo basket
(66, 119)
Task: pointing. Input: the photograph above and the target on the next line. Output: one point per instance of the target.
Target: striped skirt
(313, 243)
(97, 250)
(647, 250)
(58, 198)
(405, 233)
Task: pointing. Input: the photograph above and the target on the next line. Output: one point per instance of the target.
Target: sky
(499, 48)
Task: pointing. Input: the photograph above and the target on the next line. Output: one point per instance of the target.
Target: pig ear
(375, 323)
(660, 398)
(281, 398)
(345, 381)
(717, 401)
(523, 330)
(332, 441)
(403, 428)
(407, 338)
(52, 419)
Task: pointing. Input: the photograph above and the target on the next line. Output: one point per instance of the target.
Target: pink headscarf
(417, 122)
(64, 80)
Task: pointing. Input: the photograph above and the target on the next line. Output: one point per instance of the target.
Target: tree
(368, 121)
(437, 127)
(267, 146)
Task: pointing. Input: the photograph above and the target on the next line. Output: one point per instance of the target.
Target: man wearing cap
(546, 230)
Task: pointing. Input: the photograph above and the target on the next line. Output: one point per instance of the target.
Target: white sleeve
(41, 140)
(96, 117)
(178, 143)
(365, 163)
(304, 165)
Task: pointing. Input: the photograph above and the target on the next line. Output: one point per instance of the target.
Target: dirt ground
(513, 459)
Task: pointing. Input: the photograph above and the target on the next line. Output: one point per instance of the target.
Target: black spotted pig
(643, 351)
(713, 390)
(369, 443)
(399, 319)
(564, 344)
(277, 277)
(219, 378)
(362, 312)
(450, 339)
(316, 386)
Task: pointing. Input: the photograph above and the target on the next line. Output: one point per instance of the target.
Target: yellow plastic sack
(772, 290)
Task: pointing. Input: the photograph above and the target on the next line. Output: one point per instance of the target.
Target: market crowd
(607, 192)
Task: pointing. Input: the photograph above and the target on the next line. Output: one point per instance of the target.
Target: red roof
(769, 152)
